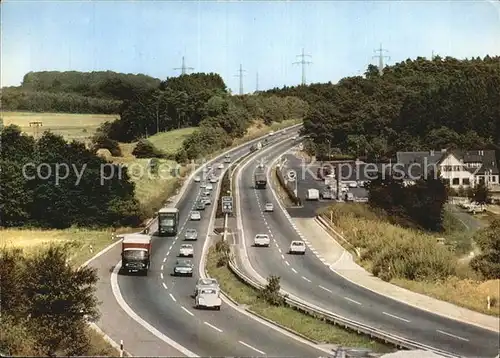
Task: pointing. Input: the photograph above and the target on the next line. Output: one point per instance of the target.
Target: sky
(265, 37)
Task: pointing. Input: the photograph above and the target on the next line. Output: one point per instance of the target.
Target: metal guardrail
(333, 318)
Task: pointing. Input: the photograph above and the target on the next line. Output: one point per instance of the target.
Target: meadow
(413, 259)
(80, 127)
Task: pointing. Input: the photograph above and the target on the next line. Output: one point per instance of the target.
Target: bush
(101, 141)
(271, 292)
(57, 298)
(146, 149)
(223, 253)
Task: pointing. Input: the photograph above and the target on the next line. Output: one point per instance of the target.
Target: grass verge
(70, 125)
(301, 323)
(412, 259)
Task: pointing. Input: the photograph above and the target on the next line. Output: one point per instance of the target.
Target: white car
(208, 298)
(261, 240)
(205, 283)
(191, 235)
(197, 179)
(214, 179)
(209, 187)
(195, 215)
(203, 184)
(297, 247)
(220, 166)
(206, 200)
(271, 133)
(186, 250)
(269, 207)
(353, 185)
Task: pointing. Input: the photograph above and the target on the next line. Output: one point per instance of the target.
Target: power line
(381, 57)
(303, 62)
(240, 75)
(183, 68)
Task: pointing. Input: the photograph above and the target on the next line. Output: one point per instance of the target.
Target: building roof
(433, 158)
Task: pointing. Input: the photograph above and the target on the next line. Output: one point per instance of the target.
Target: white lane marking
(164, 286)
(294, 270)
(255, 349)
(282, 256)
(119, 298)
(168, 252)
(161, 268)
(170, 248)
(324, 288)
(211, 326)
(305, 278)
(172, 297)
(165, 259)
(396, 317)
(287, 263)
(186, 310)
(452, 335)
(161, 275)
(353, 301)
(279, 250)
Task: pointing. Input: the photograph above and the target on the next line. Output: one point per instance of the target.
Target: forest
(414, 105)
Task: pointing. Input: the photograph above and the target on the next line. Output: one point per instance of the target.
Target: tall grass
(410, 258)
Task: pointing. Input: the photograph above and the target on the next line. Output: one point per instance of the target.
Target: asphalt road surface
(165, 301)
(307, 277)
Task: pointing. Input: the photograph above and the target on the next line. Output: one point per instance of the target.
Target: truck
(312, 194)
(260, 179)
(136, 253)
(168, 221)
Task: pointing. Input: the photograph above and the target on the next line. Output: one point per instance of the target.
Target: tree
(481, 194)
(146, 149)
(488, 261)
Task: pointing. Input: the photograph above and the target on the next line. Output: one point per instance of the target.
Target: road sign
(227, 204)
(291, 175)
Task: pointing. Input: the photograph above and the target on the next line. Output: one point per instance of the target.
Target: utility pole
(303, 62)
(36, 126)
(381, 57)
(183, 68)
(240, 75)
(257, 82)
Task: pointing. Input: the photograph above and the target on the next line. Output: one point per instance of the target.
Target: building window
(481, 180)
(493, 179)
(465, 181)
(455, 181)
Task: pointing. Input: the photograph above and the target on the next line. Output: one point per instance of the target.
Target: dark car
(200, 205)
(183, 268)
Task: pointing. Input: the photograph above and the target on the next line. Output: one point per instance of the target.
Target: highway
(308, 278)
(165, 301)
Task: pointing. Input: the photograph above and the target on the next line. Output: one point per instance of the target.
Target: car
(269, 207)
(227, 159)
(195, 215)
(204, 283)
(297, 247)
(209, 166)
(214, 179)
(200, 205)
(353, 185)
(208, 298)
(261, 240)
(197, 179)
(203, 184)
(209, 186)
(191, 235)
(205, 193)
(183, 268)
(220, 166)
(271, 133)
(206, 200)
(186, 250)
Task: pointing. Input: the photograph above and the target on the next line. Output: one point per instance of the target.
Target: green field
(71, 126)
(169, 142)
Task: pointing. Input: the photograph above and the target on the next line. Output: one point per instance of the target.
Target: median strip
(289, 319)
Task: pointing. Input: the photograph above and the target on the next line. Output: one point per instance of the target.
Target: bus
(168, 221)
